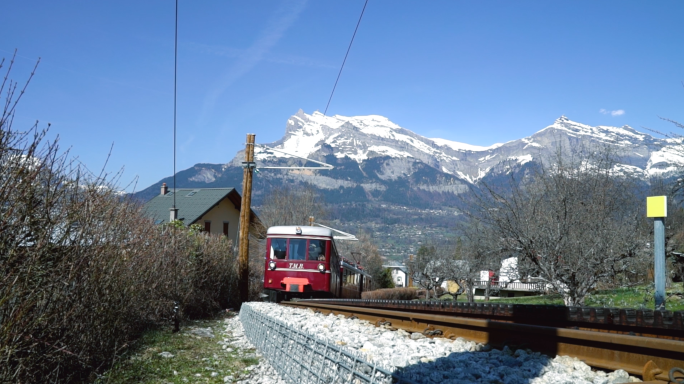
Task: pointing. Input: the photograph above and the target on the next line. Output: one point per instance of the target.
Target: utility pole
(245, 210)
(410, 278)
(656, 207)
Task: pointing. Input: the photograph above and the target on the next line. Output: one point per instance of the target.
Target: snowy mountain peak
(455, 145)
(622, 136)
(355, 137)
(337, 121)
(361, 138)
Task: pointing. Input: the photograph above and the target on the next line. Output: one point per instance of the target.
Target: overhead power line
(345, 57)
(175, 76)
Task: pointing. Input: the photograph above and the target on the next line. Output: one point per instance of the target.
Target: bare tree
(366, 253)
(573, 221)
(288, 205)
(426, 269)
(475, 250)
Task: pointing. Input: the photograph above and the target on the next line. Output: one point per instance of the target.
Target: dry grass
(391, 294)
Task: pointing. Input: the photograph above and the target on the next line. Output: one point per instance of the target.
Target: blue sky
(476, 72)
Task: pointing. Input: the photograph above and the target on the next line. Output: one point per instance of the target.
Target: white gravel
(437, 360)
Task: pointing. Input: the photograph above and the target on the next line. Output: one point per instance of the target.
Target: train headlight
(272, 265)
(321, 268)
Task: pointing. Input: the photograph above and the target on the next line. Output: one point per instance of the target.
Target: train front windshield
(298, 249)
(317, 249)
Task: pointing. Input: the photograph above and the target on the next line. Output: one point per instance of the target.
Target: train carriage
(303, 262)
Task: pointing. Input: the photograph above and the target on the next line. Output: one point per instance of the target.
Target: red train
(303, 262)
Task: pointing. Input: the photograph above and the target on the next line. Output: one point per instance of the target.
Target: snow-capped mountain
(361, 138)
(377, 160)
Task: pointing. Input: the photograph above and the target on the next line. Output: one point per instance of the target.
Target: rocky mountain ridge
(379, 161)
(402, 187)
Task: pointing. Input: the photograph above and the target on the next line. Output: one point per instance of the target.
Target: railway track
(644, 343)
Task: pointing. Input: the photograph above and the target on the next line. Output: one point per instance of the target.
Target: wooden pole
(410, 278)
(245, 211)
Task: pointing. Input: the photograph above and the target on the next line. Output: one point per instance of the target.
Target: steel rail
(639, 322)
(648, 357)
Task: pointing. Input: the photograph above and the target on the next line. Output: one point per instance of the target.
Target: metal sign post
(656, 207)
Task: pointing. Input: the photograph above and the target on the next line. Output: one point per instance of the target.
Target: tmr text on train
(303, 262)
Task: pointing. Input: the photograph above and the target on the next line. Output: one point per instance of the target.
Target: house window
(225, 228)
(207, 226)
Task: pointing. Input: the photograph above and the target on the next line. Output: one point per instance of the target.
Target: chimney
(173, 214)
(164, 189)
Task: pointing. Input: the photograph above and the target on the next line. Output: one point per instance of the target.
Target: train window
(317, 250)
(333, 254)
(297, 249)
(278, 248)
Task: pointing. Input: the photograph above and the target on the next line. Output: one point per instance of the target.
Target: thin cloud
(187, 143)
(223, 51)
(253, 55)
(617, 112)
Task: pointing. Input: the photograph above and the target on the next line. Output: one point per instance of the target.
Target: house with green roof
(217, 210)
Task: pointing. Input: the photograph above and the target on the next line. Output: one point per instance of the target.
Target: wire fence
(299, 357)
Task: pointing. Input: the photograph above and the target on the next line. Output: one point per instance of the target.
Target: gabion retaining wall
(302, 358)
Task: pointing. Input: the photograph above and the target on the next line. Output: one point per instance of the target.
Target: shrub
(391, 294)
(384, 280)
(82, 270)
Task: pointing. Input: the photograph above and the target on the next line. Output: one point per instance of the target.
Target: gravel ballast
(261, 373)
(438, 360)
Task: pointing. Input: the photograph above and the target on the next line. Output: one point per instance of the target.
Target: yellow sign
(452, 286)
(656, 206)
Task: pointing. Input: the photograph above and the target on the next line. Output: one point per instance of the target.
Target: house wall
(399, 277)
(223, 211)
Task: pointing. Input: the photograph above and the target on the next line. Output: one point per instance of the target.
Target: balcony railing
(510, 286)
